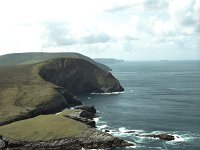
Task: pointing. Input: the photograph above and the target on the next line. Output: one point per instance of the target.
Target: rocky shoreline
(93, 140)
(106, 141)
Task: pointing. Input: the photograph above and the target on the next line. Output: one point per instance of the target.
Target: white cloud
(130, 29)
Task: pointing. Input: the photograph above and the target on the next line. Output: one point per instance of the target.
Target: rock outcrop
(90, 109)
(83, 116)
(103, 141)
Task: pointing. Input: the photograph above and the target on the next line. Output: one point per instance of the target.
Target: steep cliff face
(79, 76)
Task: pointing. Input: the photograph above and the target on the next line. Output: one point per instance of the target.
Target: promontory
(34, 91)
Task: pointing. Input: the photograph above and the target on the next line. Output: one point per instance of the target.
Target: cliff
(79, 76)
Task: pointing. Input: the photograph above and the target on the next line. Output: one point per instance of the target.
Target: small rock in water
(165, 137)
(106, 130)
(130, 131)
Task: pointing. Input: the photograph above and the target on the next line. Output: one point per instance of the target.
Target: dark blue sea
(159, 97)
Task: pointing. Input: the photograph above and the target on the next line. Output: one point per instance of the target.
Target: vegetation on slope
(44, 128)
(34, 57)
(23, 94)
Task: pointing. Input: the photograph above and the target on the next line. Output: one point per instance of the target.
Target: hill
(34, 57)
(108, 61)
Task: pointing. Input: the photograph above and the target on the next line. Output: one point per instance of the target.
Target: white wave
(186, 137)
(124, 130)
(109, 93)
(102, 126)
(178, 138)
(58, 113)
(96, 119)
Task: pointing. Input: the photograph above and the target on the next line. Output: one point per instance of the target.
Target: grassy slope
(30, 58)
(44, 128)
(22, 90)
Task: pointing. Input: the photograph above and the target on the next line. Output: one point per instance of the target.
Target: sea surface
(159, 97)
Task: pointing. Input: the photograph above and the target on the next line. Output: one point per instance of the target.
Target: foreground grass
(44, 128)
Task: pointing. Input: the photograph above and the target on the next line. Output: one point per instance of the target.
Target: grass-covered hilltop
(40, 85)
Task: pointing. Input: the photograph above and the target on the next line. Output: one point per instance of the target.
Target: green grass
(44, 128)
(23, 90)
(34, 57)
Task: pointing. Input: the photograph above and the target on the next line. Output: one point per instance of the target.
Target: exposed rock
(165, 137)
(90, 109)
(84, 120)
(102, 142)
(71, 99)
(80, 115)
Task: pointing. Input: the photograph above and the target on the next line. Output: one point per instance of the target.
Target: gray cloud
(155, 4)
(148, 5)
(59, 34)
(131, 38)
(96, 38)
(121, 8)
(197, 29)
(187, 16)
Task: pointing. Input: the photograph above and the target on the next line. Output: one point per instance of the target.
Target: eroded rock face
(79, 76)
(71, 99)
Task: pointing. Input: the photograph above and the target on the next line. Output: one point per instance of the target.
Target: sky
(122, 29)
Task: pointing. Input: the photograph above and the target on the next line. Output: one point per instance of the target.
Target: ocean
(159, 97)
